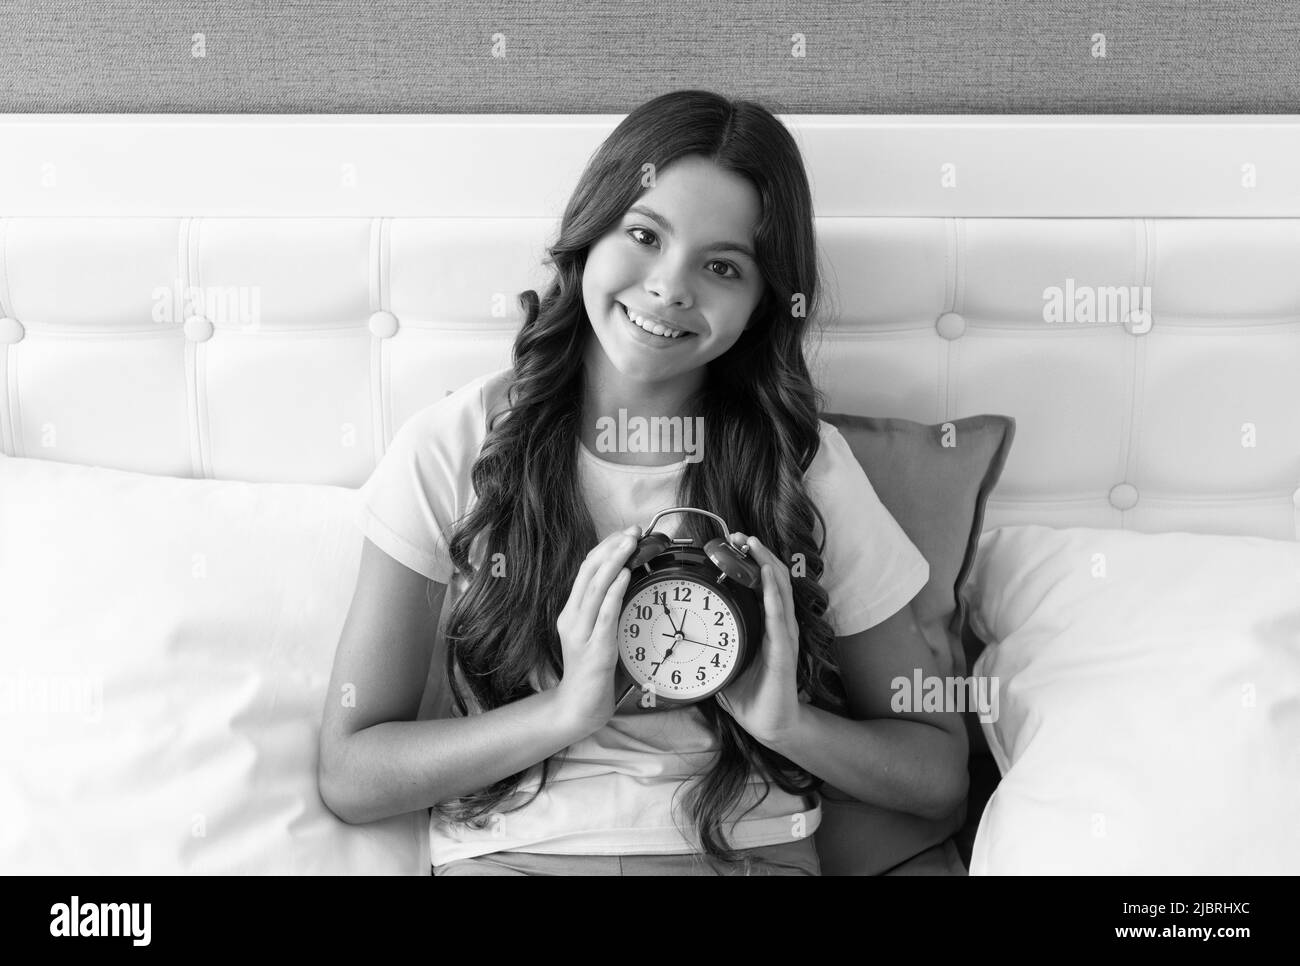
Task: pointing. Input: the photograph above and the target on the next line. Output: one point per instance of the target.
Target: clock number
(661, 597)
(699, 673)
(640, 653)
(634, 630)
(654, 666)
(725, 638)
(717, 660)
(718, 622)
(678, 591)
(677, 677)
(707, 598)
(643, 613)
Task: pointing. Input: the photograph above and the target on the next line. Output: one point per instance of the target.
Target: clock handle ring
(726, 532)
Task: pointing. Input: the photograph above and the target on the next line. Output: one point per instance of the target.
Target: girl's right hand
(588, 628)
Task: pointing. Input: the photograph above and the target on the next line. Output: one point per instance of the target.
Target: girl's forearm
(402, 766)
(907, 766)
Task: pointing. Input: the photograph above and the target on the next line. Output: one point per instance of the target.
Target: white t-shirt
(614, 792)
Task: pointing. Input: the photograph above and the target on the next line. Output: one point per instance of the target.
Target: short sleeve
(870, 569)
(421, 486)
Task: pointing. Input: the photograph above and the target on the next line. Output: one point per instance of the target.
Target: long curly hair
(758, 399)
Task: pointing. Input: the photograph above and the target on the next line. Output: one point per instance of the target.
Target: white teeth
(654, 327)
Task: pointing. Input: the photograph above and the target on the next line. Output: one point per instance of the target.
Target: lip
(649, 339)
(655, 318)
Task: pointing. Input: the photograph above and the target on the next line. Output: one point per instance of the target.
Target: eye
(647, 231)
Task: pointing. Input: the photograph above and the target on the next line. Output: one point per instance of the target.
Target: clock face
(678, 636)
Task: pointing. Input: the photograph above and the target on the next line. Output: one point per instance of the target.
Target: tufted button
(11, 331)
(1137, 322)
(198, 329)
(950, 325)
(383, 325)
(1123, 496)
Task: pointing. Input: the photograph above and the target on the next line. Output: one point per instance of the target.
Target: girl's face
(681, 255)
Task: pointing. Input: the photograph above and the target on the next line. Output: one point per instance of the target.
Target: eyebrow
(718, 246)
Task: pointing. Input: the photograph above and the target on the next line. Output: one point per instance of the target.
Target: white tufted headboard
(268, 298)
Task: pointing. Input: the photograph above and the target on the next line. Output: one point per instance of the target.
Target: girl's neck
(605, 394)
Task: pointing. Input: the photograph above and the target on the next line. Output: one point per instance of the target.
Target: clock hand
(670, 617)
(667, 654)
(687, 640)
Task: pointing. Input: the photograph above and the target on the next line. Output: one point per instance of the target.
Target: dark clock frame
(690, 562)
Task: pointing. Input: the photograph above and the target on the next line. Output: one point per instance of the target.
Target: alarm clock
(691, 619)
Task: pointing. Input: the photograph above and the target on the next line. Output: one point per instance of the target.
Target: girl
(685, 274)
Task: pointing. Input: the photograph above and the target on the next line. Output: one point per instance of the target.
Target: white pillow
(1149, 702)
(165, 645)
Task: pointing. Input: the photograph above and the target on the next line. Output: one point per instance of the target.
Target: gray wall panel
(408, 56)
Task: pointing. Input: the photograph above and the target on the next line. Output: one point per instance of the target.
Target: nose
(670, 290)
(674, 297)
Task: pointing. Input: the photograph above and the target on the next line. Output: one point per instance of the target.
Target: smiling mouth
(664, 338)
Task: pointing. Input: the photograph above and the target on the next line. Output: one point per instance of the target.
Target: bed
(211, 327)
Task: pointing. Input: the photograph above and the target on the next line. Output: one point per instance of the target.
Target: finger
(617, 545)
(613, 556)
(772, 598)
(582, 593)
(785, 592)
(760, 551)
(780, 575)
(581, 581)
(779, 604)
(596, 556)
(760, 554)
(607, 618)
(765, 556)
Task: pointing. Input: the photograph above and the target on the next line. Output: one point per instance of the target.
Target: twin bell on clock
(691, 620)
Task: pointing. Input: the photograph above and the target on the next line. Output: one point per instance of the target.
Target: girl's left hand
(764, 700)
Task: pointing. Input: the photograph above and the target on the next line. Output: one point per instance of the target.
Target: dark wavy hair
(758, 400)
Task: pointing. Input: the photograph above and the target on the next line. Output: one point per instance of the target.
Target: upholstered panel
(1186, 419)
(292, 348)
(270, 297)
